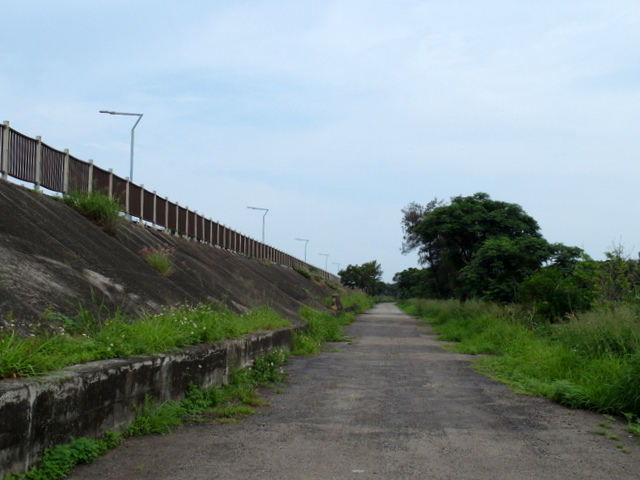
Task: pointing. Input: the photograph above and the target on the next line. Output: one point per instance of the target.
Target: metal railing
(32, 161)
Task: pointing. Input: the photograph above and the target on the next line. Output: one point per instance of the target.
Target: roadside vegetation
(67, 340)
(590, 360)
(228, 403)
(554, 322)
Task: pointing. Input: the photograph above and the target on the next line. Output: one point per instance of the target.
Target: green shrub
(99, 208)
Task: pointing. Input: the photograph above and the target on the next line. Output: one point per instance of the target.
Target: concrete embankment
(88, 400)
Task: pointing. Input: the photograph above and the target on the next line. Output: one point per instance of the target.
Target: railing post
(65, 172)
(186, 221)
(155, 202)
(166, 213)
(4, 150)
(177, 219)
(141, 203)
(90, 180)
(38, 163)
(217, 233)
(111, 183)
(195, 224)
(126, 197)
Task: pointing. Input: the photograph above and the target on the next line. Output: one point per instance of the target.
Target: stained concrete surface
(391, 405)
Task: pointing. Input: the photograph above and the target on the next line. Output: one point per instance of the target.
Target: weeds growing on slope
(159, 258)
(97, 207)
(119, 337)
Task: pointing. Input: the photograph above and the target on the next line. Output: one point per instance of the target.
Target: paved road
(391, 405)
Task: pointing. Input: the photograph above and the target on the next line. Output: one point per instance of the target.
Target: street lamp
(338, 265)
(305, 247)
(326, 258)
(266, 210)
(139, 115)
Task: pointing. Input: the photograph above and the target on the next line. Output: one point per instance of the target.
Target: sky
(335, 115)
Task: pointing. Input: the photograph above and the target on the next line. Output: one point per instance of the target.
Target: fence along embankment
(32, 161)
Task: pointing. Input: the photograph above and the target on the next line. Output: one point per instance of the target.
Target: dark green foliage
(554, 292)
(415, 283)
(477, 247)
(365, 277)
(499, 265)
(452, 236)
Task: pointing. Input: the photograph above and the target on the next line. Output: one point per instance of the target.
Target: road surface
(390, 405)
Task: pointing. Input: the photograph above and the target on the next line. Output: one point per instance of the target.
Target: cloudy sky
(336, 114)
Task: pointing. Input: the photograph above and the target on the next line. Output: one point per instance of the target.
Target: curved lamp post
(326, 258)
(139, 115)
(266, 210)
(305, 247)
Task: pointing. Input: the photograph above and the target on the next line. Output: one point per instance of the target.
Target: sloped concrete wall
(88, 400)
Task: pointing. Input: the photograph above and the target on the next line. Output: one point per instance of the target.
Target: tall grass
(591, 361)
(327, 327)
(118, 337)
(97, 207)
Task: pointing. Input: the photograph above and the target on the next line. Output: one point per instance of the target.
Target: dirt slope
(52, 258)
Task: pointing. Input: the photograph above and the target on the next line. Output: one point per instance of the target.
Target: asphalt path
(392, 404)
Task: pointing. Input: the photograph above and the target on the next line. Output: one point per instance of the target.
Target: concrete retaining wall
(88, 400)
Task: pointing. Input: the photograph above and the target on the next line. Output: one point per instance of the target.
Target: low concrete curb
(90, 399)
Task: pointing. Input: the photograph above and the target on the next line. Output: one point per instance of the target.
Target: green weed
(118, 337)
(159, 258)
(229, 403)
(99, 208)
(57, 462)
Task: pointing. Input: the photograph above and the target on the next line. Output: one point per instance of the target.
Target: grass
(591, 361)
(171, 329)
(326, 327)
(118, 337)
(159, 258)
(97, 207)
(229, 403)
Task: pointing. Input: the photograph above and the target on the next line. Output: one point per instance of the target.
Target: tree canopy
(477, 247)
(366, 277)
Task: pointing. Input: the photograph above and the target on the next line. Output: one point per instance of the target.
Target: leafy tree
(554, 292)
(499, 265)
(415, 283)
(366, 277)
(450, 236)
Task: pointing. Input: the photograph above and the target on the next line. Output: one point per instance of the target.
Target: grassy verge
(83, 338)
(172, 329)
(591, 361)
(327, 327)
(228, 403)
